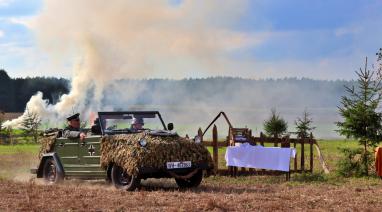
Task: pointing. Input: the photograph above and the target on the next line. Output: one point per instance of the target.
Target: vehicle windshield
(125, 122)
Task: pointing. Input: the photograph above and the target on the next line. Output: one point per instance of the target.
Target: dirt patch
(97, 196)
(17, 166)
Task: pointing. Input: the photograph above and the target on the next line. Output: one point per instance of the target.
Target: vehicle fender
(60, 168)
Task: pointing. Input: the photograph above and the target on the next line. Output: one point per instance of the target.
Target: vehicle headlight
(143, 142)
(197, 139)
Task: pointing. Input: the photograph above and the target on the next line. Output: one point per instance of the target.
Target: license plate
(178, 165)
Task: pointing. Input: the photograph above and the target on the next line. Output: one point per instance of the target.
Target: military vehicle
(123, 155)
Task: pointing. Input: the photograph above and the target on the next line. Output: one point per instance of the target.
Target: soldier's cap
(75, 116)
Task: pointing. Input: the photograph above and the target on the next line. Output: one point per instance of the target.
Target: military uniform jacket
(71, 132)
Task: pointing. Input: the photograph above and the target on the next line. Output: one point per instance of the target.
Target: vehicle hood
(126, 151)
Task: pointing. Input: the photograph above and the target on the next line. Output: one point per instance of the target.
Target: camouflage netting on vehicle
(125, 151)
(47, 143)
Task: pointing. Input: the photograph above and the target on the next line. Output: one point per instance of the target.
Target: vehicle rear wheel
(122, 180)
(51, 173)
(191, 182)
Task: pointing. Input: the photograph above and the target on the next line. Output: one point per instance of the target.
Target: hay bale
(125, 151)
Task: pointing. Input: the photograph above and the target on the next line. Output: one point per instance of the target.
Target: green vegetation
(304, 125)
(361, 121)
(275, 126)
(21, 148)
(31, 124)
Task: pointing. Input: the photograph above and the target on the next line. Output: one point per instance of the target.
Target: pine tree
(361, 120)
(304, 125)
(30, 124)
(275, 126)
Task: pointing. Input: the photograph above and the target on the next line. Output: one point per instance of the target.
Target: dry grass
(269, 193)
(100, 197)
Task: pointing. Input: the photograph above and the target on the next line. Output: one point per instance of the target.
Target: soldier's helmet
(137, 120)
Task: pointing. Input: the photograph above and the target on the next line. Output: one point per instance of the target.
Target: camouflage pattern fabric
(47, 143)
(125, 151)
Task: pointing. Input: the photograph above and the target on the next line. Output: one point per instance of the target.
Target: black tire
(108, 174)
(51, 172)
(122, 180)
(191, 182)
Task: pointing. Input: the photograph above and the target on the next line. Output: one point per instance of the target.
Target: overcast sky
(326, 39)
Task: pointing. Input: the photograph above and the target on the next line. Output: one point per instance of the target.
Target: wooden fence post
(311, 152)
(261, 139)
(252, 142)
(215, 147)
(200, 134)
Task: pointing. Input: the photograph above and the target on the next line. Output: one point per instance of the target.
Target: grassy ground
(21, 148)
(318, 191)
(25, 156)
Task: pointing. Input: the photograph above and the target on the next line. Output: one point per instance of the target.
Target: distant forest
(229, 92)
(15, 93)
(214, 91)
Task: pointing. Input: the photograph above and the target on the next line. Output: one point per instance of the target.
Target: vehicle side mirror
(170, 126)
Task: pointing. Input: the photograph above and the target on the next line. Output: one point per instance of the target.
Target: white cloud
(4, 3)
(1, 34)
(26, 21)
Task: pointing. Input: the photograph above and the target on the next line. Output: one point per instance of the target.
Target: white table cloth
(272, 158)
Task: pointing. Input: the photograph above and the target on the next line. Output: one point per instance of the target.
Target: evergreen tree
(275, 126)
(31, 124)
(304, 125)
(361, 120)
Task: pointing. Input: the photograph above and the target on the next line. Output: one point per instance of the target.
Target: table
(259, 157)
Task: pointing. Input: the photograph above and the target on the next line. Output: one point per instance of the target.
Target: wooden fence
(298, 163)
(11, 139)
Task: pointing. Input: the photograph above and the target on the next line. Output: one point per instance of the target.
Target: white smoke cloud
(132, 39)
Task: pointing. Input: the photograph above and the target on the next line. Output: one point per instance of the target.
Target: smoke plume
(132, 39)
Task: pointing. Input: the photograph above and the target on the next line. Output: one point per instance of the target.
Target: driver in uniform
(73, 129)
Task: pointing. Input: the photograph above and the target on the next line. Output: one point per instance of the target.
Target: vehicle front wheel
(191, 182)
(122, 180)
(51, 173)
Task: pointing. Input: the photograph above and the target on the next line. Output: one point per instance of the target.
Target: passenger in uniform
(73, 129)
(137, 124)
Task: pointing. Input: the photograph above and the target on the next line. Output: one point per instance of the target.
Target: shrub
(355, 162)
(275, 126)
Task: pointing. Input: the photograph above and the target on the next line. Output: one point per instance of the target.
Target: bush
(355, 162)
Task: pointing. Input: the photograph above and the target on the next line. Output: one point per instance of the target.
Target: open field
(20, 191)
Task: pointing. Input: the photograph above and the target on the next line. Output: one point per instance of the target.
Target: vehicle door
(67, 150)
(90, 155)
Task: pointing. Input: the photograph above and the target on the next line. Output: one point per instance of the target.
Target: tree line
(261, 93)
(16, 92)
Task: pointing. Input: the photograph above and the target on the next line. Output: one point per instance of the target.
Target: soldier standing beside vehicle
(73, 129)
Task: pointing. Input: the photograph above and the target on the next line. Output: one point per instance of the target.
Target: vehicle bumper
(149, 172)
